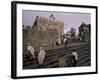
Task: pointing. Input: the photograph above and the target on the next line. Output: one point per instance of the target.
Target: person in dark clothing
(72, 61)
(66, 43)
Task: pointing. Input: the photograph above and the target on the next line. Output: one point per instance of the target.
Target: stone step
(84, 60)
(62, 49)
(56, 64)
(52, 52)
(53, 65)
(69, 46)
(55, 59)
(52, 60)
(86, 55)
(56, 52)
(62, 53)
(88, 63)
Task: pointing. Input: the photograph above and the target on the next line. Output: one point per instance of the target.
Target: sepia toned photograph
(56, 39)
(53, 39)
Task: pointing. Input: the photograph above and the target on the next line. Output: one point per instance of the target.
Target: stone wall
(44, 33)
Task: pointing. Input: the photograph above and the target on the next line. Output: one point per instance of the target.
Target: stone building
(44, 32)
(85, 32)
(45, 24)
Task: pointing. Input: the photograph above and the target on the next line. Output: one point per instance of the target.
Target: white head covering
(28, 43)
(41, 48)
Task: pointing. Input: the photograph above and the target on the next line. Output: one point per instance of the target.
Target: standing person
(75, 57)
(31, 50)
(59, 40)
(72, 59)
(41, 56)
(65, 42)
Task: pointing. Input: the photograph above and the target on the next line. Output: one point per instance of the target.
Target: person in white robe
(75, 54)
(59, 40)
(41, 56)
(31, 49)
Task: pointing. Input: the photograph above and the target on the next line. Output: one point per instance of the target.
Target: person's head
(74, 50)
(28, 44)
(41, 48)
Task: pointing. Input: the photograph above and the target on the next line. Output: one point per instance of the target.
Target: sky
(70, 19)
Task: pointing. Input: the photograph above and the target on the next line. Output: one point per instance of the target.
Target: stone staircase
(52, 57)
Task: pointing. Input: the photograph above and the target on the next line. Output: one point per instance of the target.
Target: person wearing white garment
(30, 50)
(72, 59)
(74, 53)
(41, 56)
(59, 40)
(65, 40)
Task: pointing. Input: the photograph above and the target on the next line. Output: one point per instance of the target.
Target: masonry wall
(43, 33)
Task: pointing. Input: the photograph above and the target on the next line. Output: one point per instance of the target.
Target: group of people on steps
(72, 61)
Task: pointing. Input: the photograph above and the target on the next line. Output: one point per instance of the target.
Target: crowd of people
(72, 61)
(62, 41)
